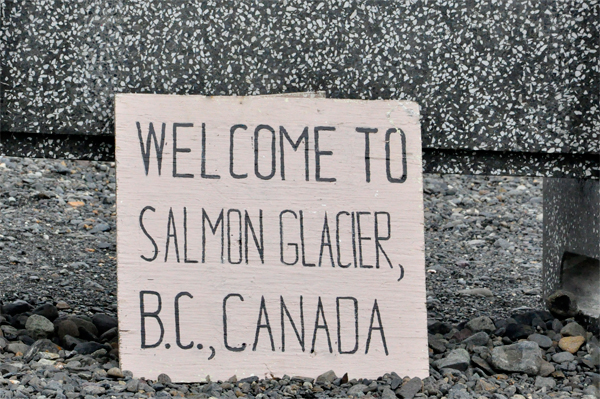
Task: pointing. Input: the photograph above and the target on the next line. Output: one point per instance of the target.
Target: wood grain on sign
(269, 236)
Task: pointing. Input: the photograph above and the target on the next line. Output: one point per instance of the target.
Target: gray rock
(163, 379)
(132, 385)
(387, 393)
(66, 327)
(546, 369)
(410, 388)
(356, 389)
(328, 376)
(592, 390)
(522, 357)
(42, 345)
(93, 389)
(476, 292)
(545, 382)
(115, 372)
(542, 340)
(458, 359)
(573, 329)
(458, 392)
(479, 339)
(563, 357)
(39, 326)
(17, 347)
(482, 323)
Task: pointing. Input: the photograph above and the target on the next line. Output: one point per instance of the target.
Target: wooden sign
(269, 236)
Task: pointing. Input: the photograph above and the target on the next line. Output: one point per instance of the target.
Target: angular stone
(485, 386)
(522, 357)
(93, 389)
(547, 382)
(410, 388)
(356, 389)
(563, 357)
(40, 346)
(476, 292)
(573, 329)
(387, 393)
(458, 359)
(478, 361)
(482, 323)
(39, 326)
(571, 344)
(17, 347)
(546, 369)
(328, 376)
(479, 339)
(542, 340)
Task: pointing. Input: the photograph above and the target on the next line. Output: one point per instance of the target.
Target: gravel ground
(488, 334)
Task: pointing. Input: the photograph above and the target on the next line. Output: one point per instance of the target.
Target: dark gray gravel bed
(489, 336)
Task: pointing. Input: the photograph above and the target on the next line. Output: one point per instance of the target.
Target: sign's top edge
(301, 96)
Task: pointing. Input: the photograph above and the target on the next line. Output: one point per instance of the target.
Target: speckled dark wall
(571, 224)
(490, 75)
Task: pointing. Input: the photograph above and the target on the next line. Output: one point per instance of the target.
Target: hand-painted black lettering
(401, 272)
(289, 316)
(338, 241)
(158, 148)
(380, 329)
(303, 137)
(171, 223)
(148, 208)
(319, 154)
(273, 152)
(378, 238)
(154, 315)
(259, 243)
(177, 149)
(304, 263)
(326, 242)
(289, 244)
(231, 348)
(203, 163)
(239, 240)
(339, 327)
(263, 310)
(177, 324)
(367, 131)
(185, 239)
(231, 134)
(361, 238)
(320, 314)
(213, 229)
(388, 166)
(354, 239)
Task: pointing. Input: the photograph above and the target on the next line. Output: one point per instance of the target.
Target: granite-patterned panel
(489, 75)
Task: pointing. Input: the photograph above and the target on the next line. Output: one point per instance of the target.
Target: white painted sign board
(269, 236)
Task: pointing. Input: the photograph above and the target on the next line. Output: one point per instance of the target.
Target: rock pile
(47, 353)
